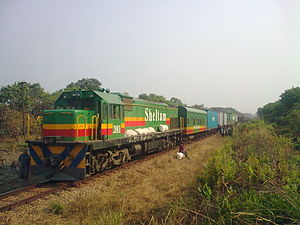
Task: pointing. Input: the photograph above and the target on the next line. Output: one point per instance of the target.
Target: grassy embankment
(253, 179)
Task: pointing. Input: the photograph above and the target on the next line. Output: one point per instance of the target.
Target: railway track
(22, 196)
(28, 194)
(12, 199)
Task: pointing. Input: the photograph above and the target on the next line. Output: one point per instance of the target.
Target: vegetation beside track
(253, 179)
(284, 115)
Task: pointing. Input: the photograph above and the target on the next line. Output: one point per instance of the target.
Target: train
(90, 131)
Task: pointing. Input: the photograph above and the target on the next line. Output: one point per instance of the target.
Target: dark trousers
(24, 172)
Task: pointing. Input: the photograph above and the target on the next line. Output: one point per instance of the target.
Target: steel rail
(24, 201)
(66, 185)
(22, 189)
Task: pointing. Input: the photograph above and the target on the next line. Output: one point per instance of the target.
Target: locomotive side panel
(147, 114)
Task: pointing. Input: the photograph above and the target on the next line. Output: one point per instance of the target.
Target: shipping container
(225, 119)
(212, 119)
(221, 118)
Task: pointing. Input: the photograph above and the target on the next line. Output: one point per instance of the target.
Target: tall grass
(253, 179)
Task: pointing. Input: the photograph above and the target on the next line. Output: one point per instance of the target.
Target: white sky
(238, 53)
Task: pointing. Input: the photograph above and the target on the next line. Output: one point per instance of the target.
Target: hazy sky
(239, 53)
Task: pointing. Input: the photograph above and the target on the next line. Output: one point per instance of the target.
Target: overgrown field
(253, 179)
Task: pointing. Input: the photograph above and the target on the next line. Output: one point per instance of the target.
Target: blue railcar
(212, 120)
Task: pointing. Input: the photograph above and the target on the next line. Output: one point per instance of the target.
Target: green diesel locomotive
(85, 133)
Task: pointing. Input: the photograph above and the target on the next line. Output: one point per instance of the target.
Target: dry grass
(124, 196)
(9, 154)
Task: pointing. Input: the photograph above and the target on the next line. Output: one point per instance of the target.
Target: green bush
(56, 208)
(253, 179)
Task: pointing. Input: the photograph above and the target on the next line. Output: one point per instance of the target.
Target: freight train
(90, 131)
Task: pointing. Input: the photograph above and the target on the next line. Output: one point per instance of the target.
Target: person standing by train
(24, 164)
(230, 131)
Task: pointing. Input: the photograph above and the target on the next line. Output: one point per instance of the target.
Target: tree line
(30, 99)
(284, 114)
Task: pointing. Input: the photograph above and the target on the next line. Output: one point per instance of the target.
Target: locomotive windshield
(88, 104)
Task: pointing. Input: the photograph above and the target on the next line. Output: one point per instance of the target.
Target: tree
(293, 122)
(284, 114)
(201, 106)
(31, 96)
(290, 97)
(15, 95)
(88, 84)
(160, 98)
(176, 101)
(153, 97)
(11, 121)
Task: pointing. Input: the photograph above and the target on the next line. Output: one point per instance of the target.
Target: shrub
(253, 179)
(56, 208)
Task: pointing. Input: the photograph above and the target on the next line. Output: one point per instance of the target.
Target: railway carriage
(192, 120)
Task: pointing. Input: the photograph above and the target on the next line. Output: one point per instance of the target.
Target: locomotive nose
(68, 125)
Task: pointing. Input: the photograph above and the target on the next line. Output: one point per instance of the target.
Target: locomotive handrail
(96, 128)
(28, 125)
(40, 122)
(78, 117)
(181, 121)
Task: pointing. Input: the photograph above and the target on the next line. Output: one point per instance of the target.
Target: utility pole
(23, 108)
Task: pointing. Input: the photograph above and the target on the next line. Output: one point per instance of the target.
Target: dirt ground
(126, 195)
(9, 154)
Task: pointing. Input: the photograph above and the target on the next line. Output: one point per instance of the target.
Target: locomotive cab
(84, 116)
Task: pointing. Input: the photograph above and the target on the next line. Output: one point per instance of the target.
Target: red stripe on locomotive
(67, 132)
(135, 123)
